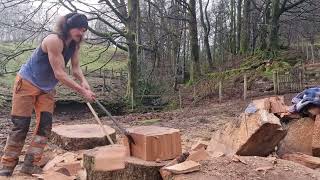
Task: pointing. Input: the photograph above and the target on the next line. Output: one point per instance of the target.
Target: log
(155, 143)
(298, 138)
(260, 135)
(134, 169)
(256, 134)
(273, 104)
(105, 158)
(316, 137)
(82, 136)
(306, 160)
(278, 105)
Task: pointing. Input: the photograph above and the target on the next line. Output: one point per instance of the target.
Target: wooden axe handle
(99, 122)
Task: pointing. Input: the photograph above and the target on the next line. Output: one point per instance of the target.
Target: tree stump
(82, 136)
(135, 169)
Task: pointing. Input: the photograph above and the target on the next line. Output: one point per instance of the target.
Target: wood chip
(200, 155)
(199, 145)
(264, 168)
(237, 158)
(185, 167)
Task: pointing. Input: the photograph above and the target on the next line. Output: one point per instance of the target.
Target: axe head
(129, 137)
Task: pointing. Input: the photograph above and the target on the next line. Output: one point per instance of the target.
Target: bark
(135, 169)
(194, 44)
(245, 31)
(131, 25)
(206, 28)
(76, 137)
(239, 22)
(233, 27)
(264, 27)
(278, 9)
(274, 39)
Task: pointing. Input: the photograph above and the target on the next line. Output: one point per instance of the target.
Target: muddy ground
(195, 122)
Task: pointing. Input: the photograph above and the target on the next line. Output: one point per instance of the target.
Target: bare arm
(76, 70)
(54, 47)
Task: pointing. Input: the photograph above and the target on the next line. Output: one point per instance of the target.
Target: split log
(134, 169)
(278, 105)
(67, 157)
(167, 175)
(106, 158)
(155, 143)
(316, 137)
(273, 104)
(306, 160)
(256, 134)
(71, 167)
(82, 136)
(298, 138)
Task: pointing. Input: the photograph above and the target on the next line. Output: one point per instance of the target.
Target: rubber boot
(28, 167)
(6, 170)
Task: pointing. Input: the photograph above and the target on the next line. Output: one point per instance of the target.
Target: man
(34, 89)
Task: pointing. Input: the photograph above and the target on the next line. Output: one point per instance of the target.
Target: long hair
(61, 29)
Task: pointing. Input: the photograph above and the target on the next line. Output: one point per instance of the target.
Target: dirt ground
(195, 122)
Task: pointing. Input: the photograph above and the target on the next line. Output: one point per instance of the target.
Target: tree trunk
(239, 22)
(275, 16)
(133, 6)
(194, 55)
(134, 169)
(233, 27)
(245, 33)
(264, 28)
(77, 137)
(206, 28)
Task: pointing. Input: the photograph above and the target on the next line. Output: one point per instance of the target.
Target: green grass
(99, 57)
(88, 53)
(7, 80)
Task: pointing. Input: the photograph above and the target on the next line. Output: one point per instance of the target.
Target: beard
(78, 38)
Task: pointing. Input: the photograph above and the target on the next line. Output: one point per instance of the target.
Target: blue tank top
(38, 70)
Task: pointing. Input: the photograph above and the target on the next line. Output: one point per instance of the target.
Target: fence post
(194, 92)
(86, 69)
(275, 83)
(112, 73)
(307, 50)
(245, 87)
(104, 82)
(121, 73)
(180, 99)
(220, 91)
(278, 82)
(132, 101)
(100, 72)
